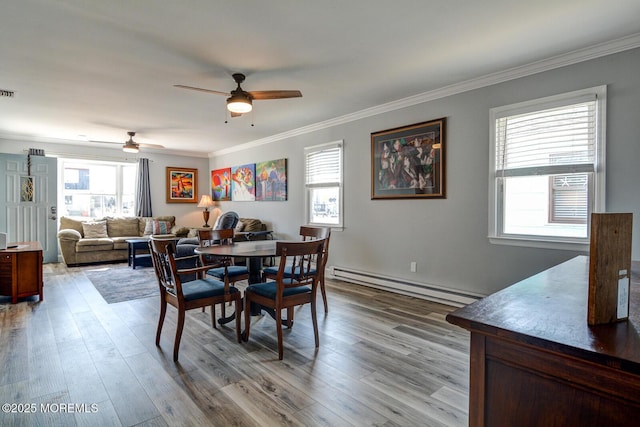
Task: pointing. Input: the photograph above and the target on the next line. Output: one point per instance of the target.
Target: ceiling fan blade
(275, 94)
(199, 89)
(141, 144)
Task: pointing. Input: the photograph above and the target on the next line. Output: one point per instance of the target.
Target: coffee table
(138, 254)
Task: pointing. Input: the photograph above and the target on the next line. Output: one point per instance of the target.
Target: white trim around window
(535, 146)
(323, 185)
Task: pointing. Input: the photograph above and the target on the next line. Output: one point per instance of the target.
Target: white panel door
(34, 218)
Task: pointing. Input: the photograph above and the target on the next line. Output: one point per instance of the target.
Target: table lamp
(205, 202)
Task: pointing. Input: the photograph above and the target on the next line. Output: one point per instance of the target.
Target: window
(547, 169)
(98, 189)
(323, 182)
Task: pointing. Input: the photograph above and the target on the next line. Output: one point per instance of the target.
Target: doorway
(28, 201)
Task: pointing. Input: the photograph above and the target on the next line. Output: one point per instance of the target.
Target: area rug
(117, 283)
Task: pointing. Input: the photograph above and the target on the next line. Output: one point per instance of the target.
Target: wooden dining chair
(309, 233)
(221, 268)
(201, 292)
(298, 287)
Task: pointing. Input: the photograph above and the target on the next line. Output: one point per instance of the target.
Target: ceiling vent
(7, 93)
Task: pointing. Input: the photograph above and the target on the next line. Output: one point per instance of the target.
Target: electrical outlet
(413, 267)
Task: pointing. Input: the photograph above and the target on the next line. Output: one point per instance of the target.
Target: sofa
(104, 239)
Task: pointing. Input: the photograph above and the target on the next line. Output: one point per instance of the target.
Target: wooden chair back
(296, 269)
(201, 292)
(163, 257)
(223, 236)
(298, 262)
(211, 237)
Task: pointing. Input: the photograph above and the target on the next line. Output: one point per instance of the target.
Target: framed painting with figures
(409, 162)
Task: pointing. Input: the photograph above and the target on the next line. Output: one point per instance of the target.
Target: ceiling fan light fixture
(128, 148)
(239, 104)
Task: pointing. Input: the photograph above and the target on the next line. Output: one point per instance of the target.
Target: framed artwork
(182, 185)
(243, 183)
(221, 184)
(409, 162)
(271, 180)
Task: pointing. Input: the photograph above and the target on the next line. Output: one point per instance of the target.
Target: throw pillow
(94, 230)
(157, 227)
(240, 226)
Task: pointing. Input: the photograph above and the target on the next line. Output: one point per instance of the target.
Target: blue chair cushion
(268, 290)
(233, 270)
(273, 271)
(204, 288)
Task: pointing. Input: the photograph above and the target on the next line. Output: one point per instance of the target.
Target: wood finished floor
(384, 360)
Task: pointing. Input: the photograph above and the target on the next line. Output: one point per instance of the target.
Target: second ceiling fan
(240, 101)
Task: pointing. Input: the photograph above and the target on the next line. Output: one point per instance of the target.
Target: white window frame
(120, 184)
(597, 190)
(309, 187)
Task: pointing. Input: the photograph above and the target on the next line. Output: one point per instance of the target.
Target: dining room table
(254, 252)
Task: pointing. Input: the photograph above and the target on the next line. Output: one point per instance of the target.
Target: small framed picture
(182, 185)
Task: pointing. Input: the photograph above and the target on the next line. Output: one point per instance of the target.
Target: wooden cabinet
(534, 360)
(21, 271)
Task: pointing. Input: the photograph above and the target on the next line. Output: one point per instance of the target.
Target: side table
(136, 256)
(21, 270)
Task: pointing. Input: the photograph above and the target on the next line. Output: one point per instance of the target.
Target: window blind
(555, 140)
(323, 166)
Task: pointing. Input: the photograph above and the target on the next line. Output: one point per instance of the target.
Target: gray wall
(448, 238)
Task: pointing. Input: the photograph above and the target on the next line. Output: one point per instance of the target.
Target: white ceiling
(94, 69)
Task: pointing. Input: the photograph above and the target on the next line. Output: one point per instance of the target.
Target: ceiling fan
(240, 101)
(130, 146)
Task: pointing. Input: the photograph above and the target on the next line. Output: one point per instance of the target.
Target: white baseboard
(429, 292)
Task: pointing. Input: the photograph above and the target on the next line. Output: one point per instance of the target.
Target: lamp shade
(239, 104)
(205, 201)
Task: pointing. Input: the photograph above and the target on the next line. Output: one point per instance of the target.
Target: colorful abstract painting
(221, 184)
(271, 180)
(243, 183)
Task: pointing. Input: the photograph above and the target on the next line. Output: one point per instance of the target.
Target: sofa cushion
(121, 227)
(251, 224)
(94, 230)
(91, 245)
(157, 227)
(71, 224)
(145, 220)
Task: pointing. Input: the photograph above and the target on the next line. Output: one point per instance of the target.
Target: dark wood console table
(536, 362)
(21, 270)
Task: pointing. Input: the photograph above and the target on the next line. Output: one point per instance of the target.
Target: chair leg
(289, 317)
(238, 315)
(176, 344)
(213, 315)
(314, 320)
(324, 295)
(279, 330)
(247, 317)
(163, 311)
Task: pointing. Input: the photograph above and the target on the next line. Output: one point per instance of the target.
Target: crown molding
(574, 57)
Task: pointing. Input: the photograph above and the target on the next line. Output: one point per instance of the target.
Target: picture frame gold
(182, 185)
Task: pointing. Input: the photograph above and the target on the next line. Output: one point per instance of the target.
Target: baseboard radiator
(433, 293)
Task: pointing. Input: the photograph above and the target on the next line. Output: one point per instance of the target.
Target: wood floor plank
(175, 406)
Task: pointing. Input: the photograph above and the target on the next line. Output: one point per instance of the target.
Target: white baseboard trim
(429, 292)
